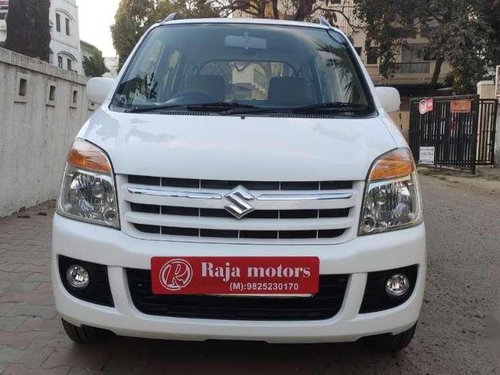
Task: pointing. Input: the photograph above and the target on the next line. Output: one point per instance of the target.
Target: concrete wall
(486, 89)
(37, 126)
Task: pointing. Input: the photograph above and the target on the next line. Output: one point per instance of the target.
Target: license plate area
(235, 276)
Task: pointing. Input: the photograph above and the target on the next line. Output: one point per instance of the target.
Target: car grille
(324, 305)
(196, 210)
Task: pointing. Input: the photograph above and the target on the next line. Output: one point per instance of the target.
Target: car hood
(236, 148)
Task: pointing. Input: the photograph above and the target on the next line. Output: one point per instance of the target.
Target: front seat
(211, 84)
(289, 92)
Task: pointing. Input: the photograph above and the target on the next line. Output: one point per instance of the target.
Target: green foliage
(387, 25)
(94, 66)
(298, 10)
(134, 17)
(462, 34)
(492, 18)
(28, 30)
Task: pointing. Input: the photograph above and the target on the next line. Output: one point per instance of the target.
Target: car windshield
(237, 68)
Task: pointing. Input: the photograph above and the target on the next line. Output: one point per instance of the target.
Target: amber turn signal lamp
(86, 156)
(394, 164)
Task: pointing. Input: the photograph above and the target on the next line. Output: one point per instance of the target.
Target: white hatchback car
(242, 180)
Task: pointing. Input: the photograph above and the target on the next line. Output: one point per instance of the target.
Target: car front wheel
(83, 334)
(392, 343)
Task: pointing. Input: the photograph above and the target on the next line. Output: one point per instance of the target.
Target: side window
(142, 87)
(338, 78)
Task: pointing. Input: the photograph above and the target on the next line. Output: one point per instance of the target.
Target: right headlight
(392, 197)
(88, 188)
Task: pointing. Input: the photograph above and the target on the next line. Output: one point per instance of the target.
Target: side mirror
(98, 89)
(389, 97)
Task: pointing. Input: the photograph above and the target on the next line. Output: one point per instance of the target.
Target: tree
(28, 29)
(134, 17)
(491, 11)
(94, 66)
(298, 10)
(387, 25)
(458, 35)
(461, 39)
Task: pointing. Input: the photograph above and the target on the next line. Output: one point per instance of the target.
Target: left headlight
(88, 190)
(392, 197)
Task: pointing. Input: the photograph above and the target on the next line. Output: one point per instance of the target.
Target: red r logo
(176, 274)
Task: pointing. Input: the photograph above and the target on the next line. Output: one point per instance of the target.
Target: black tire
(84, 334)
(390, 343)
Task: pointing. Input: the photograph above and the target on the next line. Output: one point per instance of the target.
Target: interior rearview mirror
(98, 88)
(245, 41)
(390, 98)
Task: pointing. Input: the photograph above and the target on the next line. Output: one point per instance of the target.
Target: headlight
(392, 197)
(88, 189)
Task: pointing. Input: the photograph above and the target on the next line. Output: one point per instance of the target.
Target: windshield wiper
(334, 107)
(248, 110)
(218, 107)
(234, 108)
(152, 108)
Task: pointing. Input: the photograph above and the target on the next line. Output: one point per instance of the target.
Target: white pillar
(497, 139)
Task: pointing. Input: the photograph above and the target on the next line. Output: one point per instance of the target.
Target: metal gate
(459, 129)
(486, 131)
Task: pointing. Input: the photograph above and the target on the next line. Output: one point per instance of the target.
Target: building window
(23, 86)
(371, 56)
(52, 93)
(70, 64)
(60, 61)
(67, 27)
(359, 50)
(58, 22)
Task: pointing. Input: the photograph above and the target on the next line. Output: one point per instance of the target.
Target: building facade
(64, 32)
(412, 67)
(4, 6)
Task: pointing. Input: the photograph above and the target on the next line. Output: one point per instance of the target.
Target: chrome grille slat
(239, 234)
(250, 185)
(161, 208)
(168, 196)
(258, 214)
(233, 224)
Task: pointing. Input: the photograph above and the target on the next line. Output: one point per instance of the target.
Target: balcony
(423, 67)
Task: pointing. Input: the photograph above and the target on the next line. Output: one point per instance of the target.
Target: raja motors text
(208, 269)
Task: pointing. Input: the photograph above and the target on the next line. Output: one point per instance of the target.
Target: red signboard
(461, 106)
(235, 275)
(426, 105)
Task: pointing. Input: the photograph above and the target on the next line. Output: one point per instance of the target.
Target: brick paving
(31, 337)
(32, 340)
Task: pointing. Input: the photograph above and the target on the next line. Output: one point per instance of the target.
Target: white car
(242, 180)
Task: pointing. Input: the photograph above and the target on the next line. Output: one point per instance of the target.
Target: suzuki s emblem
(238, 199)
(176, 274)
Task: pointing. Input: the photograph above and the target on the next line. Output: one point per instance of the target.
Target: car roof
(255, 21)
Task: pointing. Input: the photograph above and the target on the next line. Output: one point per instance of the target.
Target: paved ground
(463, 290)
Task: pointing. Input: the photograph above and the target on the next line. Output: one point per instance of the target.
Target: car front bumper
(119, 251)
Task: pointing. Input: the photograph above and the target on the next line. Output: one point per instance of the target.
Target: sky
(96, 17)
